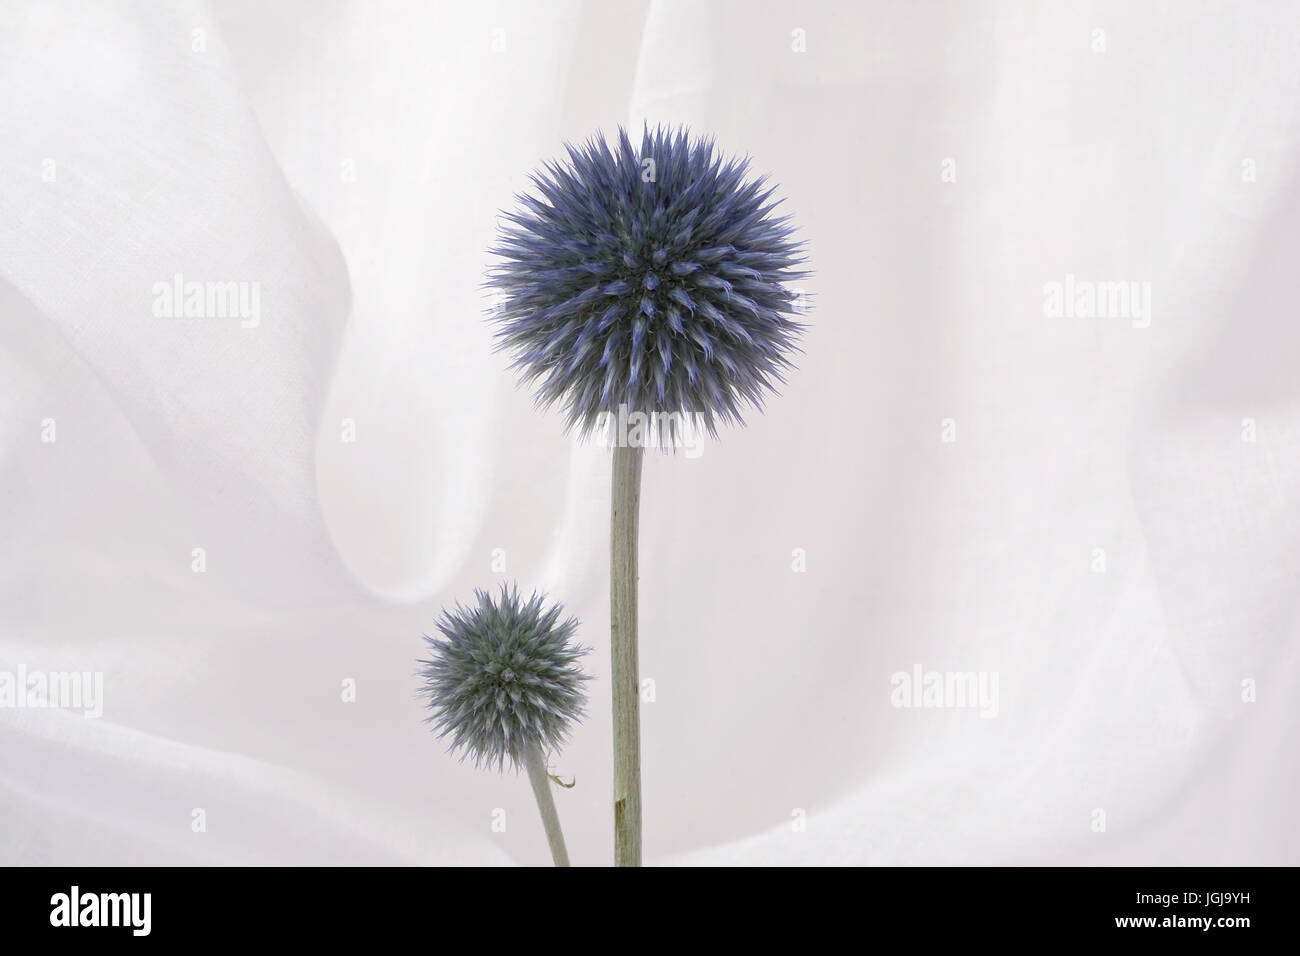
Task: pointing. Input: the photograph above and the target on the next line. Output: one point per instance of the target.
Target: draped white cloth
(1102, 510)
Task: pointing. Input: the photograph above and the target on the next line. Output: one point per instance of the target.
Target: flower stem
(625, 503)
(535, 761)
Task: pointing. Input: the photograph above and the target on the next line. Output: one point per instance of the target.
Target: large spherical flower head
(651, 278)
(504, 676)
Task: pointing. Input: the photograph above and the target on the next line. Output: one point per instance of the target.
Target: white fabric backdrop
(350, 157)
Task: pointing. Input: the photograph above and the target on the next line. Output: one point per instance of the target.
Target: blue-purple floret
(654, 278)
(504, 675)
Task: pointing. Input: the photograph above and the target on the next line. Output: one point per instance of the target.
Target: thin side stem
(625, 506)
(535, 761)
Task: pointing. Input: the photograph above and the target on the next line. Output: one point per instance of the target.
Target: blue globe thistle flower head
(648, 279)
(504, 675)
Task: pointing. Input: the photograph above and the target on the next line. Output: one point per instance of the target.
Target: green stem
(625, 502)
(535, 761)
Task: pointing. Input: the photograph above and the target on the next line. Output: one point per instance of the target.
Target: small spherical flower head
(503, 677)
(648, 280)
